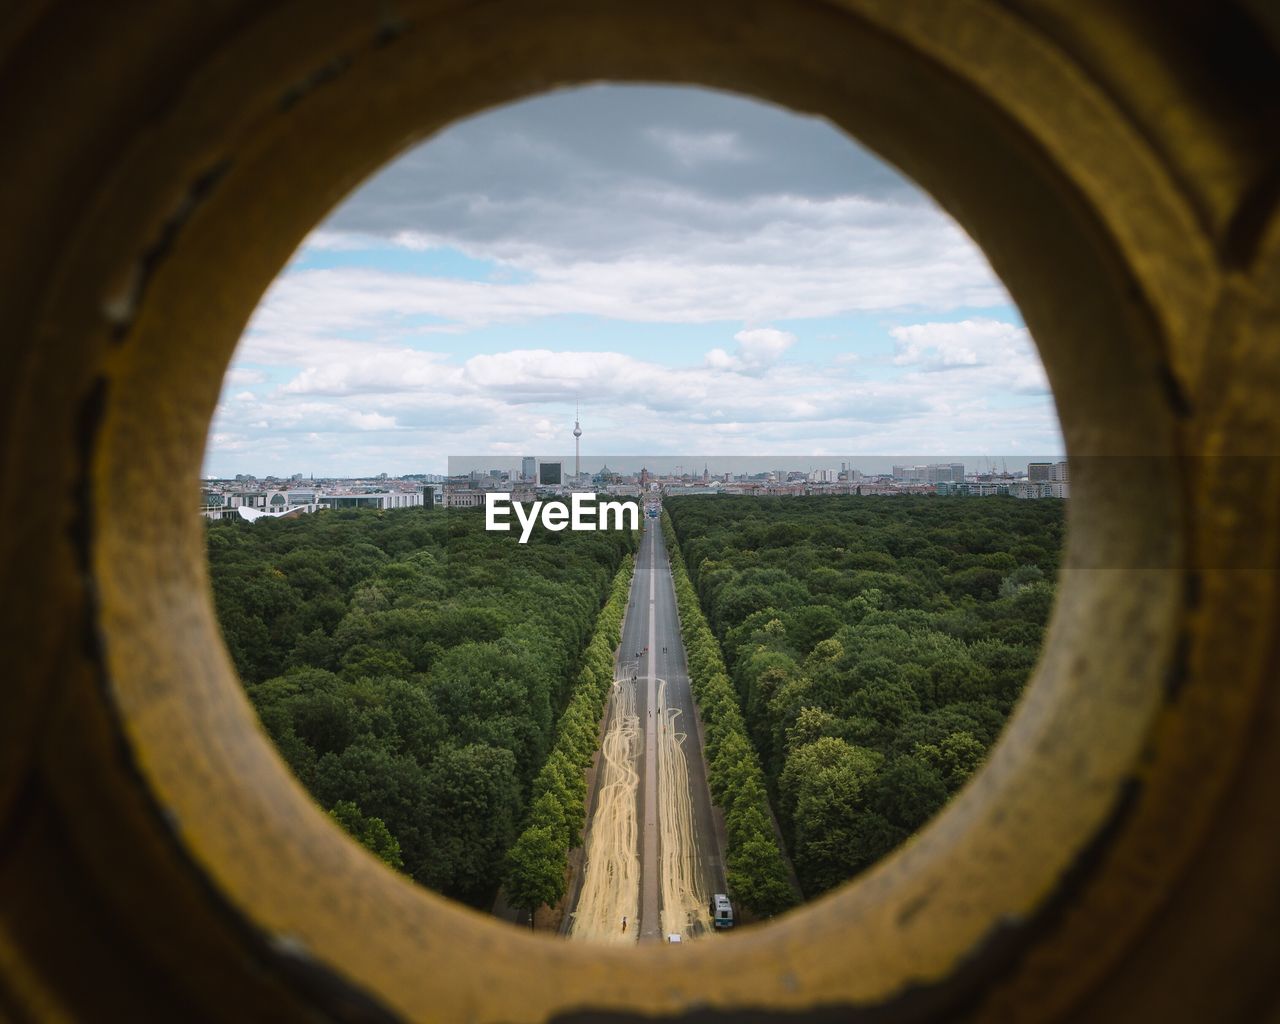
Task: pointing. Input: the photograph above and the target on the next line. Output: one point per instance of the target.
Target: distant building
(550, 474)
(528, 468)
(1039, 472)
(1040, 489)
(373, 499)
(933, 473)
(463, 499)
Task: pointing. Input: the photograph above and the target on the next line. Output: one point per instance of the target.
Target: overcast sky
(698, 271)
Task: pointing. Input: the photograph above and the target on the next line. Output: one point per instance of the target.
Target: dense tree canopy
(536, 864)
(412, 670)
(875, 645)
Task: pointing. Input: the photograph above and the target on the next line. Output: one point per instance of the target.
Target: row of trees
(875, 644)
(411, 667)
(536, 863)
(757, 873)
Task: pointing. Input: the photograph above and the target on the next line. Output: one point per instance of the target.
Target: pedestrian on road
(624, 924)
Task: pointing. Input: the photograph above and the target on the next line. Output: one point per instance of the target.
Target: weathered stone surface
(1119, 857)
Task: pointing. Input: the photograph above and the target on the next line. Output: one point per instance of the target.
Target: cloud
(763, 346)
(324, 240)
(1004, 351)
(418, 241)
(372, 421)
(758, 349)
(240, 376)
(375, 371)
(755, 399)
(640, 209)
(783, 257)
(491, 175)
(690, 148)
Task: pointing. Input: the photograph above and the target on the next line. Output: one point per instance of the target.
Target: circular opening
(689, 271)
(256, 183)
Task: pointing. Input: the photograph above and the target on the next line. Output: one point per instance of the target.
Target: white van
(721, 911)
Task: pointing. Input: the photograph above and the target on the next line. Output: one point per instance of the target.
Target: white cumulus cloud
(1004, 351)
(645, 210)
(758, 349)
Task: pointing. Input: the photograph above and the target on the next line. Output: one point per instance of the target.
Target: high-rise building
(1039, 472)
(933, 473)
(528, 468)
(550, 474)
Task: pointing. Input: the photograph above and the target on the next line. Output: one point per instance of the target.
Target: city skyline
(681, 464)
(691, 268)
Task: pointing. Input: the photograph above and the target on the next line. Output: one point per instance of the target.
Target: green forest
(875, 646)
(419, 674)
(536, 862)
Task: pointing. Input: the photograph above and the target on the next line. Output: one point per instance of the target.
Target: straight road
(652, 853)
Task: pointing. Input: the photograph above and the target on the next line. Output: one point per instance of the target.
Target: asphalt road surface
(651, 852)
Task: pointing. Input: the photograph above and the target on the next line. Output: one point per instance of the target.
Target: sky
(694, 270)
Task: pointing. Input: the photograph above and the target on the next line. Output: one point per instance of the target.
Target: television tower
(577, 447)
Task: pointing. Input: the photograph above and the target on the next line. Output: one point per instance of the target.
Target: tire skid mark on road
(611, 873)
(684, 904)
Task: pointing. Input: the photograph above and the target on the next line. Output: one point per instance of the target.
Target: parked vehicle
(721, 911)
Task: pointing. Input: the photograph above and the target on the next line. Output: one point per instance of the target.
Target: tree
(471, 803)
(757, 876)
(536, 868)
(822, 789)
(908, 793)
(372, 833)
(955, 758)
(812, 724)
(905, 628)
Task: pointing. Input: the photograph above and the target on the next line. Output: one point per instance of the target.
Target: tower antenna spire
(577, 447)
